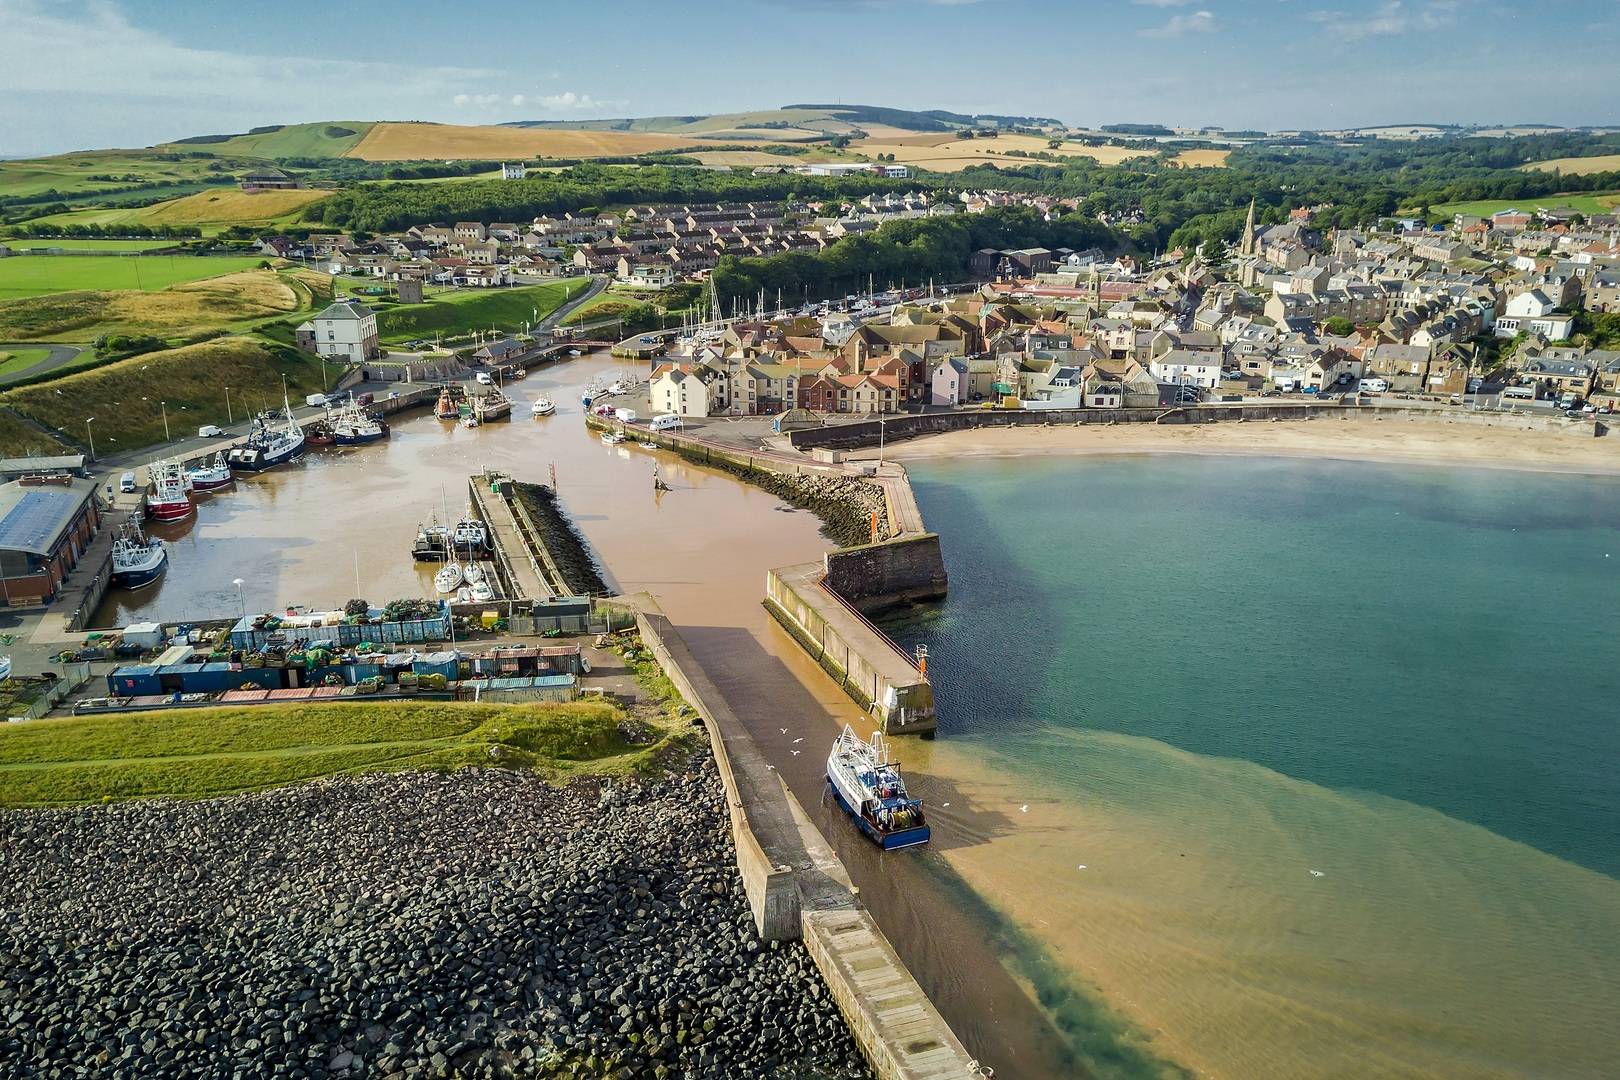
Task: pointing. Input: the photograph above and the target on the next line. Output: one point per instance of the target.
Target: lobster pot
(328, 628)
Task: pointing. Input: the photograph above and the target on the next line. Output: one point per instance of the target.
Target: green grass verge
(464, 310)
(41, 275)
(198, 753)
(20, 439)
(13, 360)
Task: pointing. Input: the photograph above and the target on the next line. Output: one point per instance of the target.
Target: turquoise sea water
(1404, 680)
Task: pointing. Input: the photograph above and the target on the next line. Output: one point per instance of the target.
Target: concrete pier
(867, 664)
(797, 887)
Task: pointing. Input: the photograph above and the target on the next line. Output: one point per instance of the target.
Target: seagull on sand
(783, 730)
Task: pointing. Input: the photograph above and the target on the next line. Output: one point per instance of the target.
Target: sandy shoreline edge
(1430, 443)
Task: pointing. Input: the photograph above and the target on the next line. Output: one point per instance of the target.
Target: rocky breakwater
(844, 504)
(478, 923)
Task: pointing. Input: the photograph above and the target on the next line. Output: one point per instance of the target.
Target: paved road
(599, 284)
(60, 354)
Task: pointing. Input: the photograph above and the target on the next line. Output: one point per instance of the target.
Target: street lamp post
(239, 599)
(229, 419)
(164, 406)
(87, 430)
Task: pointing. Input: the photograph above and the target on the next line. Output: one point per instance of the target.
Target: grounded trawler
(169, 501)
(493, 405)
(211, 476)
(136, 560)
(268, 446)
(868, 786)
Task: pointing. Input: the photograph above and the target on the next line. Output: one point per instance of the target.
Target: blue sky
(79, 74)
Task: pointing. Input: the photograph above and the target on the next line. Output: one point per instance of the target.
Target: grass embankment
(124, 396)
(1585, 204)
(197, 753)
(41, 275)
(20, 439)
(214, 303)
(466, 310)
(95, 171)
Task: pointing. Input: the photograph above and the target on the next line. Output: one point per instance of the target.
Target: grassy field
(464, 310)
(218, 303)
(407, 142)
(1586, 204)
(212, 210)
(76, 174)
(1204, 159)
(198, 753)
(73, 244)
(124, 396)
(1577, 166)
(41, 275)
(327, 138)
(13, 360)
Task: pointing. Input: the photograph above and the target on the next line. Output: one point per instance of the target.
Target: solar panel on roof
(36, 520)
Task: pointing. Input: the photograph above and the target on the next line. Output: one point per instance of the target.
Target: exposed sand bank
(1390, 439)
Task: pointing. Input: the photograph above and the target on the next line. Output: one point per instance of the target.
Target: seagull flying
(1317, 873)
(795, 753)
(783, 730)
(799, 740)
(1024, 809)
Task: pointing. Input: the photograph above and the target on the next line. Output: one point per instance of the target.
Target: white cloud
(1195, 22)
(1391, 17)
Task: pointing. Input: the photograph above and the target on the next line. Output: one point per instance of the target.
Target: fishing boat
(543, 407)
(320, 433)
(592, 391)
(269, 444)
(482, 593)
(432, 542)
(470, 535)
(473, 573)
(168, 501)
(353, 426)
(492, 406)
(617, 388)
(448, 579)
(447, 407)
(868, 787)
(612, 438)
(136, 560)
(573, 352)
(212, 476)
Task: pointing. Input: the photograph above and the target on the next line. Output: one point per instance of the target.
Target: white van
(483, 379)
(625, 416)
(209, 431)
(126, 483)
(666, 422)
(1374, 386)
(315, 400)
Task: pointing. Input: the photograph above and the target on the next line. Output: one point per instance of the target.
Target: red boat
(320, 433)
(168, 501)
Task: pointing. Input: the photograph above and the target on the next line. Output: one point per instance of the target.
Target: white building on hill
(346, 330)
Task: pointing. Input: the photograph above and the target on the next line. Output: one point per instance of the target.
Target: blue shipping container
(262, 678)
(135, 680)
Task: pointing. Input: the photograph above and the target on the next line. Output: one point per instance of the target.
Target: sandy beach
(1440, 441)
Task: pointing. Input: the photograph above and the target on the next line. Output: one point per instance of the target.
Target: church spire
(1248, 231)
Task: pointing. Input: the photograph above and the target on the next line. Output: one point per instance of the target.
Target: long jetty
(798, 888)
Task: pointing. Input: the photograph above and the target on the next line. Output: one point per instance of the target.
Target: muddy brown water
(340, 524)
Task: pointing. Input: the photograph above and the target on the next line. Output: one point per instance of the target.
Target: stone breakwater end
(478, 923)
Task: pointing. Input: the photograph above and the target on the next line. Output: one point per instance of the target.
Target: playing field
(1577, 166)
(216, 303)
(41, 275)
(461, 311)
(72, 244)
(1585, 204)
(416, 142)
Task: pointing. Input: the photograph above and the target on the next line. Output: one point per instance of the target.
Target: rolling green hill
(327, 138)
(789, 122)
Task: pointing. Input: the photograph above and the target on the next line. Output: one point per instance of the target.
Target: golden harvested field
(1204, 159)
(945, 153)
(229, 206)
(1577, 166)
(214, 303)
(407, 142)
(751, 158)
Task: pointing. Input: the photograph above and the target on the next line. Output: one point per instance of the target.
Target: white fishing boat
(470, 535)
(211, 476)
(612, 438)
(267, 446)
(573, 352)
(543, 407)
(136, 560)
(482, 593)
(868, 787)
(448, 579)
(473, 573)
